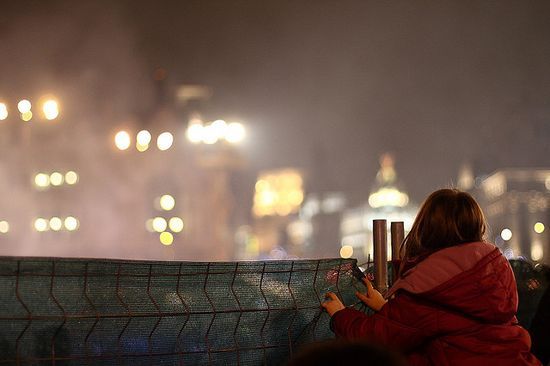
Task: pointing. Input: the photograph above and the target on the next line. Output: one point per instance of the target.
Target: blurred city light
(159, 224)
(278, 193)
(235, 133)
(4, 227)
(164, 141)
(539, 227)
(71, 177)
(209, 136)
(166, 238)
(537, 251)
(56, 179)
(175, 224)
(219, 128)
(55, 223)
(195, 132)
(24, 106)
(388, 197)
(506, 234)
(50, 109)
(42, 180)
(27, 116)
(346, 251)
(3, 111)
(71, 223)
(143, 138)
(122, 140)
(41, 224)
(167, 202)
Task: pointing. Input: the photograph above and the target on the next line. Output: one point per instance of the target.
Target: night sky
(324, 84)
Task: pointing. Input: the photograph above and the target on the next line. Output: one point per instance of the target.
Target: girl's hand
(373, 299)
(333, 304)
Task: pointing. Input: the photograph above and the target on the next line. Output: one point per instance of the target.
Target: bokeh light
(71, 177)
(219, 128)
(56, 179)
(122, 140)
(165, 141)
(71, 223)
(346, 251)
(539, 227)
(195, 132)
(167, 202)
(42, 180)
(4, 227)
(3, 111)
(27, 116)
(24, 106)
(506, 234)
(175, 224)
(159, 224)
(235, 133)
(50, 109)
(55, 223)
(41, 224)
(209, 136)
(166, 238)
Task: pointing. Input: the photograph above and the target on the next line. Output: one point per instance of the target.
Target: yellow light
(165, 141)
(24, 106)
(42, 180)
(27, 116)
(41, 224)
(506, 234)
(143, 138)
(50, 109)
(71, 223)
(539, 227)
(3, 111)
(195, 132)
(142, 148)
(235, 133)
(4, 227)
(71, 177)
(176, 224)
(388, 197)
(167, 202)
(122, 140)
(159, 224)
(56, 179)
(346, 251)
(166, 238)
(56, 223)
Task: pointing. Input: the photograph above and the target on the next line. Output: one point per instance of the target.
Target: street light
(218, 130)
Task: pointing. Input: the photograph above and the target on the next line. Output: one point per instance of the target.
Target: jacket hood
(473, 279)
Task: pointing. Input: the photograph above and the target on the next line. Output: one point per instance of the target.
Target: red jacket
(456, 307)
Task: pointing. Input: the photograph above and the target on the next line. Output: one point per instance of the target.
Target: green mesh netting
(96, 312)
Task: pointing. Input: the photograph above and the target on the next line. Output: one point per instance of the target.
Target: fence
(94, 312)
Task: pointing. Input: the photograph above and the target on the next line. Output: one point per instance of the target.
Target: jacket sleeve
(402, 324)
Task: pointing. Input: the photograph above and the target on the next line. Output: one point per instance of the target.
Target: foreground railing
(78, 312)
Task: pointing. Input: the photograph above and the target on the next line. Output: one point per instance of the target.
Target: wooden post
(380, 244)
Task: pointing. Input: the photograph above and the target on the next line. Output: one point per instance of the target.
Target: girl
(455, 299)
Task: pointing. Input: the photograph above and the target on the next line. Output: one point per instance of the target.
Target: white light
(346, 251)
(219, 128)
(167, 202)
(143, 138)
(24, 106)
(506, 234)
(56, 179)
(71, 177)
(3, 111)
(176, 224)
(122, 140)
(71, 223)
(4, 227)
(195, 133)
(388, 197)
(209, 136)
(50, 109)
(235, 133)
(537, 251)
(42, 180)
(56, 223)
(539, 227)
(41, 224)
(165, 141)
(159, 224)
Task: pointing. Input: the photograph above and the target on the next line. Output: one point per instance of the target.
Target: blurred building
(516, 203)
(387, 200)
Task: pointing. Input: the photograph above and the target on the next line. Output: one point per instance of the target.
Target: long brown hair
(448, 217)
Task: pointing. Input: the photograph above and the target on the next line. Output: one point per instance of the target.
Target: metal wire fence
(97, 312)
